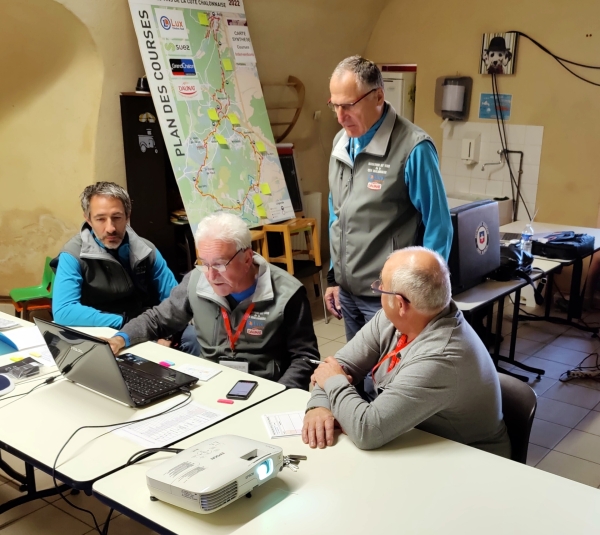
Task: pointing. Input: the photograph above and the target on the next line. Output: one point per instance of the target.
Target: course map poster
(202, 75)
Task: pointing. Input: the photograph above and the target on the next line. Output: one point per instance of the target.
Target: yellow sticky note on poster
(220, 139)
(260, 146)
(257, 200)
(233, 118)
(265, 188)
(260, 210)
(203, 18)
(227, 64)
(213, 115)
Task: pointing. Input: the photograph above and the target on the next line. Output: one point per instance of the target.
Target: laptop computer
(475, 250)
(90, 362)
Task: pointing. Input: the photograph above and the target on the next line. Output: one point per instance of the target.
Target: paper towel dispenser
(453, 97)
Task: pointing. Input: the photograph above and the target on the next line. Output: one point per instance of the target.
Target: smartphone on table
(242, 390)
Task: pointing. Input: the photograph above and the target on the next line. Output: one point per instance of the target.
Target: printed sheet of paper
(202, 373)
(171, 427)
(41, 355)
(23, 338)
(285, 424)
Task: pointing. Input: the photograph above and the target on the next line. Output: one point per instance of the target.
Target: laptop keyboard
(147, 386)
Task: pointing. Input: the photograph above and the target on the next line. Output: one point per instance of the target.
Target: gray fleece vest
(263, 341)
(371, 201)
(107, 285)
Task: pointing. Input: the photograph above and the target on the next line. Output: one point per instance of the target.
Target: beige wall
(63, 64)
(307, 39)
(60, 125)
(444, 38)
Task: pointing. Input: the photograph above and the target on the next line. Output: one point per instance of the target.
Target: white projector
(213, 473)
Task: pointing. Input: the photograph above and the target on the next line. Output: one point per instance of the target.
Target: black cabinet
(151, 184)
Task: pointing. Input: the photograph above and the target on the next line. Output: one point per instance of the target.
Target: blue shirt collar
(357, 144)
(240, 296)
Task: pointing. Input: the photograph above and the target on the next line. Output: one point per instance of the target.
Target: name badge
(236, 364)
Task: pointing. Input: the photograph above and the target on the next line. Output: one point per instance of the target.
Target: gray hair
(108, 189)
(368, 75)
(428, 290)
(225, 227)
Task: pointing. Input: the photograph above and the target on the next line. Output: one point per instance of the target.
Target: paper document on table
(5, 324)
(285, 424)
(24, 338)
(172, 426)
(42, 355)
(201, 372)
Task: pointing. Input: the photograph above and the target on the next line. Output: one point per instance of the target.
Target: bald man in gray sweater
(430, 369)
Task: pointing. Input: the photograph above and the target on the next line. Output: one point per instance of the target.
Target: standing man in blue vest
(386, 191)
(107, 274)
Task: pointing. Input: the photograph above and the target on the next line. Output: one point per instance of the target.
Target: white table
(575, 300)
(418, 483)
(485, 294)
(36, 426)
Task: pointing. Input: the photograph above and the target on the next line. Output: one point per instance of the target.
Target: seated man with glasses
(248, 314)
(429, 368)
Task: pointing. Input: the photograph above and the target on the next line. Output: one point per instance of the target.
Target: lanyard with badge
(392, 355)
(234, 363)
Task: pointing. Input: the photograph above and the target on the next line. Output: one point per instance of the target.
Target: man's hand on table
(317, 430)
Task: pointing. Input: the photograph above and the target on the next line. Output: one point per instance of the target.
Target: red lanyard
(233, 338)
(393, 355)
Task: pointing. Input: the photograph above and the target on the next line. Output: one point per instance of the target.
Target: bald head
(421, 275)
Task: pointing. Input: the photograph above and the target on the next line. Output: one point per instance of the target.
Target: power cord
(582, 372)
(514, 185)
(561, 60)
(48, 381)
(142, 454)
(115, 426)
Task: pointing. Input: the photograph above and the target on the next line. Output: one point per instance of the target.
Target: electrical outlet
(317, 115)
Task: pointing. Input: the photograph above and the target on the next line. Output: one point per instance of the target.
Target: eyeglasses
(347, 107)
(221, 268)
(376, 288)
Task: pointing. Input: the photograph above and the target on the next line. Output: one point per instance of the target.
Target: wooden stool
(307, 225)
(303, 268)
(258, 238)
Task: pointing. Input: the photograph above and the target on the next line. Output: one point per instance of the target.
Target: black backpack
(516, 264)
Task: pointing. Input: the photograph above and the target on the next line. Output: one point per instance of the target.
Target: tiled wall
(494, 181)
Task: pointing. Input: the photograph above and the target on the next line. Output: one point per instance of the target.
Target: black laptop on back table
(90, 362)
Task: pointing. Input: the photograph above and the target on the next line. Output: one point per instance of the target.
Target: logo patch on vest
(255, 326)
(375, 181)
(376, 174)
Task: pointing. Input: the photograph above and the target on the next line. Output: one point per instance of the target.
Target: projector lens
(265, 469)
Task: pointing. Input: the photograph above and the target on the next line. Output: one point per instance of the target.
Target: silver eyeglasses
(376, 288)
(221, 268)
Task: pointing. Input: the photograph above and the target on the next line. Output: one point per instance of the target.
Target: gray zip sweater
(445, 384)
(276, 339)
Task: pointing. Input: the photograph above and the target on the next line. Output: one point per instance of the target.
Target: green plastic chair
(35, 297)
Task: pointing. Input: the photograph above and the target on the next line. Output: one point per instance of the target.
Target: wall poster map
(202, 74)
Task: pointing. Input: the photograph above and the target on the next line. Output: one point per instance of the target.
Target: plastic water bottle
(526, 238)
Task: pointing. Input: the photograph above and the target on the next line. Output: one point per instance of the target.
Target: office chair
(26, 300)
(519, 403)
